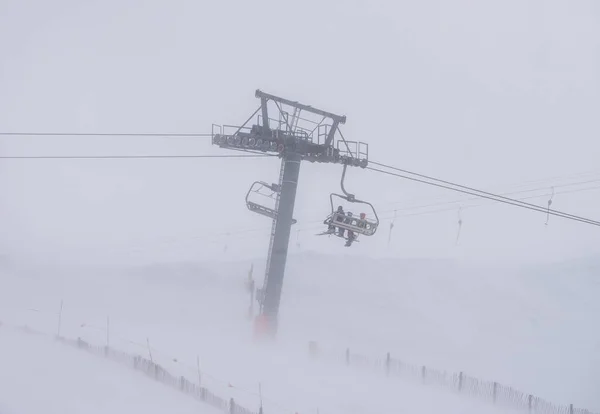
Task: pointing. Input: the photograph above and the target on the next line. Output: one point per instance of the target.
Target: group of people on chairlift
(346, 218)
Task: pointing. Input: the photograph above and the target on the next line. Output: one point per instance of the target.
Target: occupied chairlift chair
(366, 226)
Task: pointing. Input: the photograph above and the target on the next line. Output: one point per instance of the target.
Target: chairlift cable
(317, 224)
(89, 157)
(441, 210)
(102, 134)
(489, 196)
(435, 204)
(479, 192)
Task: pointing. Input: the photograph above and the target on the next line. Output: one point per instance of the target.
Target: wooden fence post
(59, 319)
(149, 349)
(199, 373)
(312, 349)
(460, 381)
(231, 406)
(347, 356)
(423, 373)
(388, 359)
(570, 408)
(495, 392)
(529, 403)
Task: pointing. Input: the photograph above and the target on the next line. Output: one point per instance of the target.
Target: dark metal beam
(339, 118)
(265, 113)
(331, 135)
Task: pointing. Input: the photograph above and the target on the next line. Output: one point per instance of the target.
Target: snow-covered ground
(498, 95)
(39, 372)
(39, 375)
(517, 329)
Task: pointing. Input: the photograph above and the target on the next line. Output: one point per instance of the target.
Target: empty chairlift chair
(261, 189)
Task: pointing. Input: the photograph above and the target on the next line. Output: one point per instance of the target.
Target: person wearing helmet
(339, 217)
(362, 223)
(351, 236)
(336, 217)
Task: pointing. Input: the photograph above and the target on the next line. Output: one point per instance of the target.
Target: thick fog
(503, 96)
(490, 95)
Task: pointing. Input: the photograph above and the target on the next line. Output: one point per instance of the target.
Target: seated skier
(362, 222)
(338, 217)
(351, 235)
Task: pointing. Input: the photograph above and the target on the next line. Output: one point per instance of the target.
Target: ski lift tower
(296, 133)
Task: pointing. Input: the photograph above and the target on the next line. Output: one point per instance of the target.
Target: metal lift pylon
(294, 139)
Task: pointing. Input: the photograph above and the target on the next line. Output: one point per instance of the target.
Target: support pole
(199, 373)
(149, 349)
(281, 239)
(59, 319)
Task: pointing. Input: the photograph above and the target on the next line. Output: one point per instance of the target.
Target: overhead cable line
(479, 192)
(308, 226)
(507, 193)
(100, 134)
(87, 157)
(497, 196)
(551, 182)
(445, 201)
(482, 194)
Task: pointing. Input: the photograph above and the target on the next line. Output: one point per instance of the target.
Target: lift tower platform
(297, 133)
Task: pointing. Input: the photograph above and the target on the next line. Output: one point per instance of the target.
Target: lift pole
(281, 238)
(293, 141)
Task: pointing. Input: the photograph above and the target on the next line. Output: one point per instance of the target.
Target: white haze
(41, 375)
(528, 329)
(489, 94)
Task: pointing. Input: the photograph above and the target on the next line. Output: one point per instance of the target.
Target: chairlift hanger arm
(349, 197)
(373, 209)
(352, 199)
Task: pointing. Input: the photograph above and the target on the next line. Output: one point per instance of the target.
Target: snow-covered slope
(526, 327)
(41, 375)
(522, 329)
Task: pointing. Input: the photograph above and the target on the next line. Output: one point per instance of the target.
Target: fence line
(154, 371)
(489, 391)
(239, 392)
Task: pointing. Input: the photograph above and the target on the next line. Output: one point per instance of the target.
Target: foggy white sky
(488, 94)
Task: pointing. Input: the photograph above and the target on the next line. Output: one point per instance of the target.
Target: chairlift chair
(259, 208)
(367, 226)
